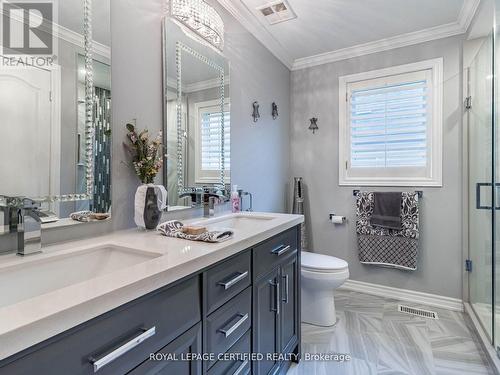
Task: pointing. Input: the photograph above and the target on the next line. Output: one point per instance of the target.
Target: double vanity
(140, 303)
(135, 301)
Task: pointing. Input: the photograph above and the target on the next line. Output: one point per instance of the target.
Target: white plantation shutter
(389, 125)
(208, 139)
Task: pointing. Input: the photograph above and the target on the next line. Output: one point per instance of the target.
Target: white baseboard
(428, 299)
(485, 341)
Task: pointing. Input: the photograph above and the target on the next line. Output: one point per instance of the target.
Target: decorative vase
(148, 206)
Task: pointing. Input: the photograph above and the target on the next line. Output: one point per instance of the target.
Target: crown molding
(249, 22)
(197, 86)
(67, 35)
(205, 85)
(467, 13)
(73, 37)
(398, 41)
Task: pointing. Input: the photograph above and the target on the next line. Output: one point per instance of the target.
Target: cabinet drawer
(226, 280)
(237, 366)
(270, 253)
(227, 325)
(118, 341)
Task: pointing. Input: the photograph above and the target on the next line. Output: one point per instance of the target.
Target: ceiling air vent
(417, 312)
(277, 12)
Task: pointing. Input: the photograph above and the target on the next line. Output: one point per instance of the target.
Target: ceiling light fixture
(201, 18)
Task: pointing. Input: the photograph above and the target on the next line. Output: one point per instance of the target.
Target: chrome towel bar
(420, 193)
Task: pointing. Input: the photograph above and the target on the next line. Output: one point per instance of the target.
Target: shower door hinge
(468, 103)
(468, 265)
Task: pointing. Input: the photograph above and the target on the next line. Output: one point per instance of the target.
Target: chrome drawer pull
(229, 331)
(287, 288)
(280, 250)
(118, 352)
(241, 368)
(233, 281)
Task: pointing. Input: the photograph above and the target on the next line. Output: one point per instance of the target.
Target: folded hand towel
(173, 228)
(387, 210)
(86, 216)
(83, 216)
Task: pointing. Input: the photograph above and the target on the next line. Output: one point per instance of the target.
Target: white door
(25, 131)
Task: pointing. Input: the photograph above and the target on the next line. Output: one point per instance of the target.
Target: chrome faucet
(206, 196)
(21, 216)
(209, 203)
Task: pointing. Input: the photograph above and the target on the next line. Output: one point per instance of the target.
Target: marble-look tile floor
(381, 340)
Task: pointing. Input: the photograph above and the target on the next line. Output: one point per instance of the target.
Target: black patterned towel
(397, 248)
(173, 228)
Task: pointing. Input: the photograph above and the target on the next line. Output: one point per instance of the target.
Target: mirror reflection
(55, 111)
(197, 117)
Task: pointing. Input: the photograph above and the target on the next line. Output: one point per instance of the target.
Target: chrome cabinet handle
(118, 352)
(272, 283)
(235, 280)
(227, 332)
(280, 250)
(276, 307)
(241, 368)
(287, 288)
(278, 299)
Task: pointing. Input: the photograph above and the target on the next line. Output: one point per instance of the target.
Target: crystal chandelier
(201, 18)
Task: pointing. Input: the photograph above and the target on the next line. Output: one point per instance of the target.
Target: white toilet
(321, 275)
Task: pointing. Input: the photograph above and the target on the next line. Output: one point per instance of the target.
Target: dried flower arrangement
(147, 156)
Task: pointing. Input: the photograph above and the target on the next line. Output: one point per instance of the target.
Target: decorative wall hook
(275, 111)
(314, 124)
(256, 114)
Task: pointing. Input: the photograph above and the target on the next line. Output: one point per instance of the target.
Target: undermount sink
(234, 221)
(37, 276)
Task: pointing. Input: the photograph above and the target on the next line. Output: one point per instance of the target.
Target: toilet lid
(322, 262)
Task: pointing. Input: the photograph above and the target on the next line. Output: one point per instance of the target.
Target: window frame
(202, 176)
(395, 176)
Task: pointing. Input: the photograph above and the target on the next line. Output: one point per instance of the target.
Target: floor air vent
(417, 312)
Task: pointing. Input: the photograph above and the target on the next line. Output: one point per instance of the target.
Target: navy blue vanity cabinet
(246, 304)
(227, 296)
(276, 302)
(266, 321)
(176, 357)
(122, 339)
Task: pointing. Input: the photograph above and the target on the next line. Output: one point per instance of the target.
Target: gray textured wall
(259, 152)
(315, 157)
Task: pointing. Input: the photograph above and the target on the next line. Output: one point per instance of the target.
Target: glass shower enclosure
(482, 129)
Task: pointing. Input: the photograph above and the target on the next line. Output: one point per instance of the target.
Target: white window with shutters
(390, 126)
(208, 142)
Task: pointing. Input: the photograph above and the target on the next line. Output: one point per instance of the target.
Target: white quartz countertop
(30, 321)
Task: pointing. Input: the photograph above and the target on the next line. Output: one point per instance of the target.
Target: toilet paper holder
(343, 219)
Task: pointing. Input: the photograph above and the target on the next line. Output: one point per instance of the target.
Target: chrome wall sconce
(256, 114)
(275, 113)
(314, 125)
